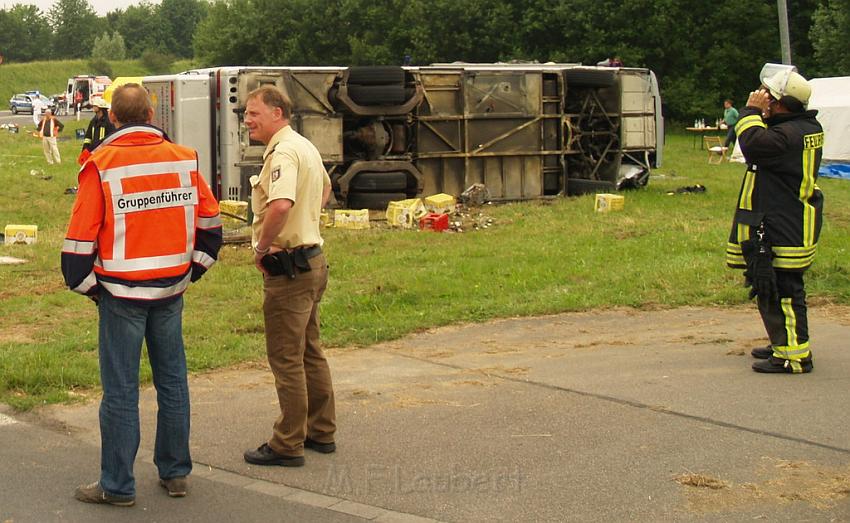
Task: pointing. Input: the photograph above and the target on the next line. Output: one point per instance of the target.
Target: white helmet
(100, 102)
(784, 80)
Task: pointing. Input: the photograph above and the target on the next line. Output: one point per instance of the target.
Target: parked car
(22, 103)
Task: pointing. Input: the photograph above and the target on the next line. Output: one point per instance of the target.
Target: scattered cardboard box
(609, 202)
(21, 234)
(405, 213)
(351, 219)
(440, 203)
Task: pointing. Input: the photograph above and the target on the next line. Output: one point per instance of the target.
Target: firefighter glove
(759, 275)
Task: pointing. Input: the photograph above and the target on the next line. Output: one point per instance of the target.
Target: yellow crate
(405, 213)
(609, 202)
(26, 234)
(325, 219)
(236, 208)
(440, 203)
(351, 219)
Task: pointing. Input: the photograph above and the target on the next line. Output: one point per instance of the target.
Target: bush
(100, 67)
(157, 62)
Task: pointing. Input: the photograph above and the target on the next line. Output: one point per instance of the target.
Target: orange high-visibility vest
(143, 225)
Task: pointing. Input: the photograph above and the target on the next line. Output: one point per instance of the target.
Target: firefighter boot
(762, 353)
(774, 365)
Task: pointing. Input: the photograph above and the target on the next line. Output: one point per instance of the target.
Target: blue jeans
(123, 326)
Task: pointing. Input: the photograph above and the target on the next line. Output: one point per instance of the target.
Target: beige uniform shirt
(292, 169)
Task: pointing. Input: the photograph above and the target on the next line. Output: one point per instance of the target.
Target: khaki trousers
(51, 151)
(301, 372)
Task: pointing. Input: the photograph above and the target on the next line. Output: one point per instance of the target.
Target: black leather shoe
(264, 455)
(324, 448)
(762, 353)
(774, 365)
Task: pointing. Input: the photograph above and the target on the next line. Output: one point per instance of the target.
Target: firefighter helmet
(784, 80)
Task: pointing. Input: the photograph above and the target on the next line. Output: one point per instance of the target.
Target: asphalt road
(618, 415)
(25, 119)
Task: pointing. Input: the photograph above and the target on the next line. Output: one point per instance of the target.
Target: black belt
(309, 252)
(290, 262)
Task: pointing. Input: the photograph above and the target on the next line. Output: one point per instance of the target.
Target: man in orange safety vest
(144, 225)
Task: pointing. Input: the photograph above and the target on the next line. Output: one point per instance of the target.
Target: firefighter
(99, 128)
(779, 213)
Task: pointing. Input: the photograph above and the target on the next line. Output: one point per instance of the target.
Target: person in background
(779, 213)
(48, 129)
(730, 118)
(144, 225)
(287, 198)
(99, 128)
(37, 109)
(78, 100)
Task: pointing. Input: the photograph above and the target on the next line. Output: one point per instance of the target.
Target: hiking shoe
(264, 455)
(176, 487)
(324, 448)
(774, 365)
(762, 353)
(92, 493)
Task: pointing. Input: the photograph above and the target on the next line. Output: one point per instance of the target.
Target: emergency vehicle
(82, 91)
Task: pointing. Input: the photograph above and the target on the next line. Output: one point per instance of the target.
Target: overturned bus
(387, 133)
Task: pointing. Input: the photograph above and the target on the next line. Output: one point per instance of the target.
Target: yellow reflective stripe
(793, 264)
(747, 122)
(795, 251)
(794, 257)
(806, 190)
(790, 321)
(735, 261)
(746, 199)
(734, 257)
(743, 232)
(102, 132)
(796, 352)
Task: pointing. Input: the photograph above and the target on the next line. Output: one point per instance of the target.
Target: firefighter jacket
(144, 223)
(99, 128)
(779, 190)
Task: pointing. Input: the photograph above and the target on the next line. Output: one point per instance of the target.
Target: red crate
(434, 222)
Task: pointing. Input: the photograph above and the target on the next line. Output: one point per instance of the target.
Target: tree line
(702, 52)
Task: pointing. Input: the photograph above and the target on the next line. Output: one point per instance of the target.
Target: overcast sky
(101, 7)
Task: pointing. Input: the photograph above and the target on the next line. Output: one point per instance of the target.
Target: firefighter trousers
(785, 318)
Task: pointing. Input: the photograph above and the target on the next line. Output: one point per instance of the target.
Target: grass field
(52, 77)
(539, 257)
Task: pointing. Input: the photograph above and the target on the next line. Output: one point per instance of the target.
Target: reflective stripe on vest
(209, 223)
(78, 247)
(147, 293)
(89, 282)
(144, 264)
(203, 258)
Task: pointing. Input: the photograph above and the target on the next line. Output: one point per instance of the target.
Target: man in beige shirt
(287, 198)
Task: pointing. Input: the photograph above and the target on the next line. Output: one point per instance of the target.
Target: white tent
(831, 97)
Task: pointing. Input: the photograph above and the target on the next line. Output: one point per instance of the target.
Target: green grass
(540, 257)
(52, 77)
